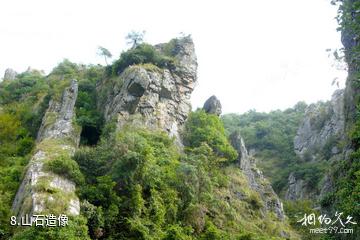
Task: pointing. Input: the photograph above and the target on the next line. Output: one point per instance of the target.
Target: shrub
(76, 230)
(143, 53)
(255, 201)
(66, 167)
(208, 128)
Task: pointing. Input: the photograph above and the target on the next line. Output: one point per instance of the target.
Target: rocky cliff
(319, 138)
(350, 41)
(42, 190)
(322, 122)
(254, 176)
(256, 179)
(155, 97)
(296, 189)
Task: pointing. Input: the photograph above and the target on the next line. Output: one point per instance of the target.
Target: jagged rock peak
(57, 122)
(57, 139)
(184, 51)
(255, 177)
(238, 143)
(10, 74)
(296, 189)
(157, 98)
(213, 106)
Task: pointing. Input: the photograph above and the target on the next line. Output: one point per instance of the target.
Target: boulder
(212, 106)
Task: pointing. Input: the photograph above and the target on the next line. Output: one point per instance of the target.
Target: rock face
(255, 177)
(316, 140)
(154, 97)
(58, 119)
(296, 189)
(212, 106)
(41, 190)
(322, 122)
(10, 74)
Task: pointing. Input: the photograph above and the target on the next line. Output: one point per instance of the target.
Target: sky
(262, 55)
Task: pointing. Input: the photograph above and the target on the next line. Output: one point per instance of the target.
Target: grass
(241, 209)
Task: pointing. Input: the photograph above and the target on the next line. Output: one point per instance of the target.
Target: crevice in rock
(89, 135)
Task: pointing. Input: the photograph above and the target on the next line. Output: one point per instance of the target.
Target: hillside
(118, 150)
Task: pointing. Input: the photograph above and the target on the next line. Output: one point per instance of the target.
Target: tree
(105, 53)
(135, 38)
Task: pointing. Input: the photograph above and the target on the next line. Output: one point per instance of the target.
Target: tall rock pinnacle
(43, 191)
(157, 98)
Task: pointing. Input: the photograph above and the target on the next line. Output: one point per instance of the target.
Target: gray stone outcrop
(43, 191)
(322, 122)
(255, 177)
(213, 106)
(154, 97)
(296, 188)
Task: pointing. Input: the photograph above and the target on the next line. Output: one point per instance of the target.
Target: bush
(208, 128)
(255, 201)
(66, 167)
(143, 53)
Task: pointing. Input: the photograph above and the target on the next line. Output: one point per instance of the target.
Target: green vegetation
(23, 102)
(271, 135)
(135, 38)
(204, 128)
(133, 183)
(74, 231)
(15, 146)
(346, 173)
(65, 166)
(138, 186)
(87, 114)
(105, 53)
(296, 210)
(141, 54)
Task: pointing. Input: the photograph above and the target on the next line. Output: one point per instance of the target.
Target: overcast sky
(262, 55)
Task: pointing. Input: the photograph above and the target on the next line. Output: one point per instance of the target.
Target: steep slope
(345, 175)
(319, 139)
(257, 181)
(153, 170)
(269, 137)
(43, 189)
(321, 123)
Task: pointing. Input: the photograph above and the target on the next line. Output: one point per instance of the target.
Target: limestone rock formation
(296, 188)
(41, 190)
(10, 74)
(256, 178)
(212, 106)
(321, 130)
(154, 97)
(322, 122)
(58, 119)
